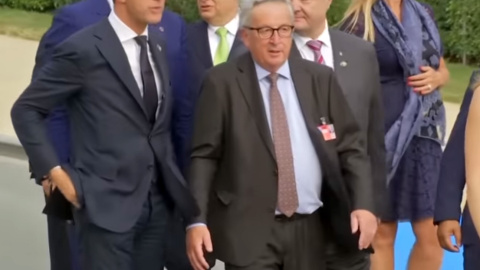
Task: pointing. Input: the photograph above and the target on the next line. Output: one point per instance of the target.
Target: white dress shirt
(308, 172)
(307, 53)
(110, 3)
(127, 37)
(214, 39)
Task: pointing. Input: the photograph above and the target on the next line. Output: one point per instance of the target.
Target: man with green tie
(214, 39)
(211, 41)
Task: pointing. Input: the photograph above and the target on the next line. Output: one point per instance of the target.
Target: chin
(154, 19)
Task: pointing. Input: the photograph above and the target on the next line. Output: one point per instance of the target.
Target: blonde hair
(352, 15)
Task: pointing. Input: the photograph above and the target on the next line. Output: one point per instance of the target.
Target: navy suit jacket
(452, 175)
(172, 28)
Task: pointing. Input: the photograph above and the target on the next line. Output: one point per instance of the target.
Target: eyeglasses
(267, 32)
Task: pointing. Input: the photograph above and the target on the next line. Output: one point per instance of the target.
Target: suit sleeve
(452, 170)
(376, 136)
(62, 27)
(56, 82)
(206, 143)
(354, 161)
(183, 111)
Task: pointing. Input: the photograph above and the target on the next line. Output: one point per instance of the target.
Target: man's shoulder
(310, 67)
(196, 27)
(354, 43)
(83, 38)
(74, 11)
(172, 20)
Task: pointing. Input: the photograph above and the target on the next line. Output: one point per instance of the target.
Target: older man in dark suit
(276, 151)
(122, 177)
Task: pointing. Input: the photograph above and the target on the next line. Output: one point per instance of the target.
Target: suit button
(149, 167)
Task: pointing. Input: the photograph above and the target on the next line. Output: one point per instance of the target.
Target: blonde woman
(412, 70)
(472, 156)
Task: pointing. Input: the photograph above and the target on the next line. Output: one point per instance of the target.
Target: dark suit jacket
(74, 17)
(115, 151)
(356, 67)
(452, 175)
(233, 173)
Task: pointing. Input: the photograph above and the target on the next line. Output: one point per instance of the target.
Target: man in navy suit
(450, 193)
(68, 21)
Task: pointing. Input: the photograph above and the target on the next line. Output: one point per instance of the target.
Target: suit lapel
(158, 53)
(294, 52)
(305, 94)
(203, 45)
(110, 47)
(338, 49)
(309, 97)
(248, 82)
(101, 6)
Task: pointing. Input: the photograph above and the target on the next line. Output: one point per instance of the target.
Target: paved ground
(17, 58)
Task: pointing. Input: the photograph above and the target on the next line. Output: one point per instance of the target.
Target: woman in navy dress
(412, 71)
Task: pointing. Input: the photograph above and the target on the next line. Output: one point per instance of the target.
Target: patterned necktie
(150, 95)
(287, 188)
(221, 55)
(316, 47)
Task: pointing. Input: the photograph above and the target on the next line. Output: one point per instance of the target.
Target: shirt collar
(324, 38)
(110, 3)
(123, 32)
(283, 71)
(231, 26)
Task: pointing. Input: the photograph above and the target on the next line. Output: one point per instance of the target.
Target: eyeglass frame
(257, 29)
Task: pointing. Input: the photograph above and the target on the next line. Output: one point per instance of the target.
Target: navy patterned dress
(412, 191)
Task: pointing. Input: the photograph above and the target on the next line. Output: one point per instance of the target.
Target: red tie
(316, 47)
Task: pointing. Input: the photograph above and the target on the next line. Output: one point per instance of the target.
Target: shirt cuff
(195, 225)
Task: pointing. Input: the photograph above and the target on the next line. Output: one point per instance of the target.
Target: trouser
(140, 248)
(59, 244)
(471, 256)
(296, 243)
(176, 254)
(338, 259)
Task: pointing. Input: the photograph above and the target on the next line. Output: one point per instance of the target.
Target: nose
(275, 37)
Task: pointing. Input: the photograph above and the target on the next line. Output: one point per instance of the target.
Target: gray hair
(247, 7)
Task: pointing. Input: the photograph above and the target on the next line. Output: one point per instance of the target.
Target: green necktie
(221, 55)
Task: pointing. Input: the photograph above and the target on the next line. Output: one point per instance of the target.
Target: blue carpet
(403, 245)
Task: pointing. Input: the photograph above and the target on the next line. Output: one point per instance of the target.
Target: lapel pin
(161, 28)
(159, 48)
(343, 64)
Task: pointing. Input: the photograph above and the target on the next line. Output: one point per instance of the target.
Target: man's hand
(63, 182)
(198, 240)
(365, 222)
(445, 231)
(47, 186)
